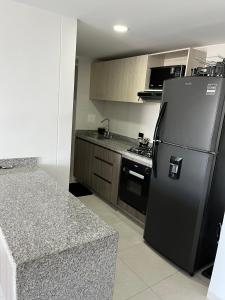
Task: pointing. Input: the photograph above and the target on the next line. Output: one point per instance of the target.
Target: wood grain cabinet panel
(107, 166)
(98, 168)
(119, 79)
(104, 154)
(83, 161)
(102, 187)
(103, 169)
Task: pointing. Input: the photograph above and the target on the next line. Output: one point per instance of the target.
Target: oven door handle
(142, 177)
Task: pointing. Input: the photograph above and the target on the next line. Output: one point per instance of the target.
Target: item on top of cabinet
(211, 69)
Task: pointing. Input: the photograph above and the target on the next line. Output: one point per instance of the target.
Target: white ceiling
(154, 25)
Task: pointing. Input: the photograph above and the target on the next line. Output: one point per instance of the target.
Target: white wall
(88, 113)
(217, 286)
(129, 119)
(37, 59)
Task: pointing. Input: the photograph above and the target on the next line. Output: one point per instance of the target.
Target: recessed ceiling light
(120, 28)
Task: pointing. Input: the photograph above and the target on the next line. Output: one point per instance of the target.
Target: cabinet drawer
(103, 169)
(102, 187)
(104, 154)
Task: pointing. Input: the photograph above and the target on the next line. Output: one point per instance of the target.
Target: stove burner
(142, 151)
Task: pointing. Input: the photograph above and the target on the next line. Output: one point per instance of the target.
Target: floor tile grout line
(137, 293)
(169, 276)
(131, 247)
(134, 273)
(144, 280)
(160, 298)
(148, 288)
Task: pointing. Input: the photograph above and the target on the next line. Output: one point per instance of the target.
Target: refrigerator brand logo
(188, 83)
(211, 89)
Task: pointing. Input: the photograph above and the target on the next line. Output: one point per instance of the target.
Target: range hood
(150, 95)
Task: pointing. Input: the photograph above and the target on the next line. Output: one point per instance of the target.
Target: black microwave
(159, 74)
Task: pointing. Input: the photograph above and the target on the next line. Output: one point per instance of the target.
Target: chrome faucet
(107, 132)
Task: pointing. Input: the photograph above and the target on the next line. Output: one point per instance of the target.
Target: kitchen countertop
(39, 218)
(118, 144)
(35, 208)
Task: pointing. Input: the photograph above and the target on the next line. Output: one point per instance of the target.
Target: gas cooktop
(142, 151)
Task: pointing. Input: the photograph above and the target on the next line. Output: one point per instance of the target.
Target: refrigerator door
(194, 112)
(176, 203)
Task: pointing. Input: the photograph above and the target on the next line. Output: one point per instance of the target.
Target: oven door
(134, 185)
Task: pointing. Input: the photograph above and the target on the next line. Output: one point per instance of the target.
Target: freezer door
(194, 111)
(176, 203)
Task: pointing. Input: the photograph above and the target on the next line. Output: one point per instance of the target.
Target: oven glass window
(134, 187)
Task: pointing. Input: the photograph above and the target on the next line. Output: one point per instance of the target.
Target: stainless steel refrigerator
(187, 192)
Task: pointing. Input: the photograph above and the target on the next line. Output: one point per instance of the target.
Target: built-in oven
(134, 184)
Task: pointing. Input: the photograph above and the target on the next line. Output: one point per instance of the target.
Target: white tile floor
(141, 273)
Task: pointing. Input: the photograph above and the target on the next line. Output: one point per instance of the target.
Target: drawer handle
(105, 161)
(102, 178)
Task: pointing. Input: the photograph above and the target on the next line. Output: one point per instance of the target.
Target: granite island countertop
(44, 218)
(118, 144)
(39, 219)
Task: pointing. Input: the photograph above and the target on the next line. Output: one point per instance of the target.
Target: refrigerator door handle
(156, 140)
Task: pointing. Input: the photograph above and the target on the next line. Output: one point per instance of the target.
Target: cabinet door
(100, 80)
(83, 161)
(119, 79)
(96, 81)
(135, 77)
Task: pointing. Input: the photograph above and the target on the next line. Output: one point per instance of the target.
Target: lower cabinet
(83, 161)
(102, 187)
(99, 168)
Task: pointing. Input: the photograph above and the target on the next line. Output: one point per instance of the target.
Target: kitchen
(146, 173)
(130, 193)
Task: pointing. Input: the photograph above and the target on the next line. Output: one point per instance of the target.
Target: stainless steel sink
(99, 136)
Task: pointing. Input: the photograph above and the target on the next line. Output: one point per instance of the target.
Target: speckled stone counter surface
(118, 143)
(60, 248)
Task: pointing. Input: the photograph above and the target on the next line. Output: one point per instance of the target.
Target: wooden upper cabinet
(122, 79)
(119, 79)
